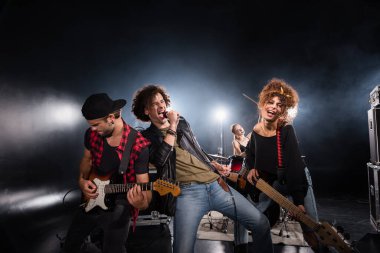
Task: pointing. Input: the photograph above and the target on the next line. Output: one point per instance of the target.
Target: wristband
(171, 132)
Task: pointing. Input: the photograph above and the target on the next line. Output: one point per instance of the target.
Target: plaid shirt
(97, 146)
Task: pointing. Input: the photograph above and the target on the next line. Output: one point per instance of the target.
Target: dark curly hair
(287, 94)
(143, 97)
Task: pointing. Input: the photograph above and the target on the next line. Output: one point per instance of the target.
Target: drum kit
(235, 161)
(220, 159)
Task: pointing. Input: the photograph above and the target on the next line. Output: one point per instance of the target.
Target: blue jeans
(197, 199)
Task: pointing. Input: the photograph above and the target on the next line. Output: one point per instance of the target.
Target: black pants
(147, 239)
(114, 223)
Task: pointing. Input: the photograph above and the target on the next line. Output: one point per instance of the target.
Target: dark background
(206, 53)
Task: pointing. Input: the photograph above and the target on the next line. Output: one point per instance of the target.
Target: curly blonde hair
(287, 94)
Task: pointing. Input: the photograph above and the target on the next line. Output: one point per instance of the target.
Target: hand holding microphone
(172, 116)
(173, 119)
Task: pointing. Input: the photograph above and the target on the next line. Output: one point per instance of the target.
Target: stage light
(65, 113)
(292, 112)
(220, 114)
(59, 112)
(31, 199)
(31, 120)
(41, 202)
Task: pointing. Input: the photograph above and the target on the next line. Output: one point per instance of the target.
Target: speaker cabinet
(370, 243)
(374, 131)
(374, 97)
(374, 200)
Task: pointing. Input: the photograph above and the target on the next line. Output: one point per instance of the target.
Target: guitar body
(104, 200)
(242, 185)
(101, 201)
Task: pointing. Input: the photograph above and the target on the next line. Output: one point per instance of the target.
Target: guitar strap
(127, 151)
(279, 147)
(124, 166)
(280, 169)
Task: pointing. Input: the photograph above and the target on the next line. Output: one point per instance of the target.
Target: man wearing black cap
(105, 142)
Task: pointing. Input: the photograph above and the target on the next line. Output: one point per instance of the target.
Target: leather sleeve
(159, 155)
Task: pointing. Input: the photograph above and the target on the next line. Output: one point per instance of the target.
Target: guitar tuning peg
(340, 229)
(347, 236)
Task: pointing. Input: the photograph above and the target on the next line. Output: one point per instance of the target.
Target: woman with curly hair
(274, 155)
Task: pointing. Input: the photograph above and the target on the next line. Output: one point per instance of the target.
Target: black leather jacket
(163, 157)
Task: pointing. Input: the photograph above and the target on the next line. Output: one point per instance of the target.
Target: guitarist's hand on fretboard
(253, 176)
(303, 210)
(137, 198)
(302, 207)
(88, 188)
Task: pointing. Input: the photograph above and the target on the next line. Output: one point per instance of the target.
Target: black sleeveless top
(242, 148)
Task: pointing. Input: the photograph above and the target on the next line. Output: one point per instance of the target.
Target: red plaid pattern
(96, 148)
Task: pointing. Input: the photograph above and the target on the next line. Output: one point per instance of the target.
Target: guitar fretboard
(286, 203)
(121, 188)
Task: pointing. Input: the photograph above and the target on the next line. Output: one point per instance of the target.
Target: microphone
(165, 114)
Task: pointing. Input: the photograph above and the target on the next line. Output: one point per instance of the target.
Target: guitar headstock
(164, 187)
(330, 237)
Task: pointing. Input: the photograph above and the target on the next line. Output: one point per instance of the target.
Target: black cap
(100, 105)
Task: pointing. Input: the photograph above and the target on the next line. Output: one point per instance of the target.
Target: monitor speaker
(374, 134)
(370, 243)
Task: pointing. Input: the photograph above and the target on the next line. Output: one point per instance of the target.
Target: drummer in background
(240, 141)
(239, 144)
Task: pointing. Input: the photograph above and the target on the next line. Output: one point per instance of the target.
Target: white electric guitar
(103, 188)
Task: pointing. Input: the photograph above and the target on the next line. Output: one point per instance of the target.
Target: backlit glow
(220, 113)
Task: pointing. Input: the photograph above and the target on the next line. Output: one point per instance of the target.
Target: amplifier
(147, 239)
(374, 99)
(374, 200)
(155, 218)
(374, 134)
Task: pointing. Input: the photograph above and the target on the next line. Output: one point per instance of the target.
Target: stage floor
(42, 234)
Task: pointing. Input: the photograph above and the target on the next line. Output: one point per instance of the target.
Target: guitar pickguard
(100, 199)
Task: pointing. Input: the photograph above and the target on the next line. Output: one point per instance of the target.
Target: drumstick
(249, 98)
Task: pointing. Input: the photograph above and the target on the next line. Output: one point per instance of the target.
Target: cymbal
(217, 156)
